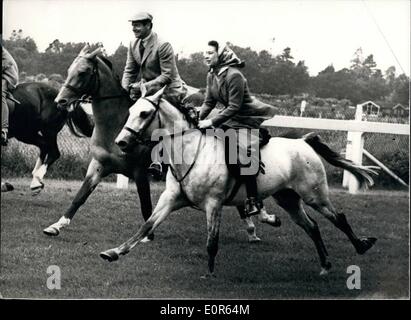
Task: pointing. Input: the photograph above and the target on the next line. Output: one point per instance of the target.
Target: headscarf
(227, 58)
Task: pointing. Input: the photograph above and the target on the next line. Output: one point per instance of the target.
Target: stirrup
(156, 170)
(251, 207)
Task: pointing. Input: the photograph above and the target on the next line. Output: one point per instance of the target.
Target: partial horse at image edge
(37, 120)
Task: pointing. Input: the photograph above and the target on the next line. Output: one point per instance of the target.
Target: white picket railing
(355, 138)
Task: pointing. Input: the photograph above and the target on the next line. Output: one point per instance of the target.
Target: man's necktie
(141, 48)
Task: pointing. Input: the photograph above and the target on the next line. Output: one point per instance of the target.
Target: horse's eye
(144, 114)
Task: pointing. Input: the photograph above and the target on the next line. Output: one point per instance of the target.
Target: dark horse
(37, 120)
(90, 75)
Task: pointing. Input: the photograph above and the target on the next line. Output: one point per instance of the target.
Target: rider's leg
(4, 113)
(252, 205)
(156, 167)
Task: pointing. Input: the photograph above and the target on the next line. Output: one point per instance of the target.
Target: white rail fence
(355, 139)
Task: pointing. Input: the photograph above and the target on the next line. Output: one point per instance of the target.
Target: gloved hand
(136, 90)
(204, 124)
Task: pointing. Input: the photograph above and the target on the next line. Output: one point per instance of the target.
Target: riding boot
(4, 140)
(251, 204)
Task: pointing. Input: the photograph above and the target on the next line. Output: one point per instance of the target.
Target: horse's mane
(107, 62)
(180, 109)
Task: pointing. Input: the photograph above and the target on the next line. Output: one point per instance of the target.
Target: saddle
(11, 101)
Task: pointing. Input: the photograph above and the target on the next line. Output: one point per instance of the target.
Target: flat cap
(141, 16)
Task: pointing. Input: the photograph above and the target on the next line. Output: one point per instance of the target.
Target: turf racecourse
(283, 266)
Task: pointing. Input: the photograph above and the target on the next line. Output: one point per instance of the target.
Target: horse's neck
(110, 112)
(172, 119)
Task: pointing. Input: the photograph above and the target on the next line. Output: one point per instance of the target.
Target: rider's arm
(131, 68)
(236, 84)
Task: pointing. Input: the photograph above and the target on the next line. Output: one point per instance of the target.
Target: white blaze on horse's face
(141, 115)
(137, 125)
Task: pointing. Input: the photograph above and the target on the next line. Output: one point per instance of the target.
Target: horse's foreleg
(252, 236)
(290, 201)
(168, 202)
(95, 173)
(143, 190)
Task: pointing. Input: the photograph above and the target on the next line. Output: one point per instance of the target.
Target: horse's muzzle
(126, 141)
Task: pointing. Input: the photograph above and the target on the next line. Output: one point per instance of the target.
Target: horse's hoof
(37, 189)
(274, 222)
(6, 187)
(254, 239)
(325, 269)
(109, 255)
(208, 276)
(51, 231)
(323, 272)
(365, 244)
(146, 239)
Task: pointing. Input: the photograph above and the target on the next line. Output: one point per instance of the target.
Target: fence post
(122, 182)
(354, 152)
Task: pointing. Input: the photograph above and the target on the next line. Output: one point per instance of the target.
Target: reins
(91, 89)
(137, 136)
(174, 173)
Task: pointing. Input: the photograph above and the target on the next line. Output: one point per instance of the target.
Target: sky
(321, 32)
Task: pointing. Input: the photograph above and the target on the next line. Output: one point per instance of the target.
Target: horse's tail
(361, 173)
(79, 123)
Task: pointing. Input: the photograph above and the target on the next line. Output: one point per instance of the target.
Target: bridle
(137, 135)
(89, 92)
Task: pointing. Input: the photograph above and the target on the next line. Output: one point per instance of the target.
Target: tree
(193, 70)
(24, 50)
(118, 59)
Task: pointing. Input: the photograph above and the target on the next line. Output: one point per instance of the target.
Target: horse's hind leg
(252, 235)
(291, 202)
(213, 211)
(322, 204)
(95, 173)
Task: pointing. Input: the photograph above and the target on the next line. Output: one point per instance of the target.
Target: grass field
(283, 266)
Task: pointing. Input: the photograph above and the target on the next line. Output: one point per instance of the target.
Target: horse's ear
(94, 53)
(157, 96)
(85, 50)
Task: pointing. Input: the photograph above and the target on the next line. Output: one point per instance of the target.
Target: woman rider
(228, 86)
